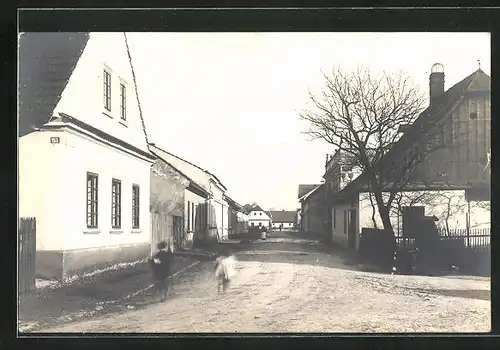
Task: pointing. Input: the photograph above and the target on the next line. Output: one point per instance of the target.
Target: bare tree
(362, 115)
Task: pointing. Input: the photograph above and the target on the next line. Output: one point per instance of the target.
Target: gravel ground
(294, 291)
(89, 297)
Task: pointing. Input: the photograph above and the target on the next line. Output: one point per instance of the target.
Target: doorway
(351, 229)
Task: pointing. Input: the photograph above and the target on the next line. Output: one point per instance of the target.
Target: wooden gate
(178, 231)
(161, 229)
(26, 267)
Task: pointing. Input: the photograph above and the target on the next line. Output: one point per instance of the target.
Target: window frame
(107, 86)
(123, 101)
(116, 204)
(136, 214)
(92, 219)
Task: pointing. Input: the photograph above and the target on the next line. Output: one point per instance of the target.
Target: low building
(314, 212)
(283, 219)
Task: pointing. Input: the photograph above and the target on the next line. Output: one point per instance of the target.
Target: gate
(160, 229)
(26, 267)
(178, 232)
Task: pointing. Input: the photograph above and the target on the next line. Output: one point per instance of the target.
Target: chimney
(436, 82)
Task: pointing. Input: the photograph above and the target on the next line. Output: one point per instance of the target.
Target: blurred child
(224, 271)
(161, 264)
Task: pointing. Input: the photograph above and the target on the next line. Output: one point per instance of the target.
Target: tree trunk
(373, 213)
(384, 211)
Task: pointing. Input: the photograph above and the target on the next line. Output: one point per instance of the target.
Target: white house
(454, 209)
(258, 216)
(84, 164)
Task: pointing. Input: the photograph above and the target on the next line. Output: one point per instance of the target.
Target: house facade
(259, 217)
(283, 219)
(238, 217)
(206, 214)
(451, 183)
(314, 214)
(84, 164)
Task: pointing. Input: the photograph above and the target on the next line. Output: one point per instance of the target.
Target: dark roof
(283, 216)
(193, 185)
(257, 208)
(305, 189)
(312, 193)
(233, 204)
(437, 112)
(46, 62)
(187, 162)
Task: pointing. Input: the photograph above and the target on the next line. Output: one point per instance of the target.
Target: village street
(290, 285)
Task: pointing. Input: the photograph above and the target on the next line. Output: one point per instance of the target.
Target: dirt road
(301, 290)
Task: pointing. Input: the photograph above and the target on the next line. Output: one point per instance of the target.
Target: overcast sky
(229, 102)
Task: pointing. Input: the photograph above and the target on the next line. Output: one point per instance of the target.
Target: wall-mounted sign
(55, 140)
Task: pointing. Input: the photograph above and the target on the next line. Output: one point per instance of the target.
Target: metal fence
(26, 254)
(475, 239)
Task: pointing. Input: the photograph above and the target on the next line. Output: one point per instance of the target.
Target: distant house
(259, 217)
(238, 217)
(283, 219)
(206, 210)
(457, 175)
(84, 164)
(313, 210)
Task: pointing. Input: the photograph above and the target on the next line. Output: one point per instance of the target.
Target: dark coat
(162, 270)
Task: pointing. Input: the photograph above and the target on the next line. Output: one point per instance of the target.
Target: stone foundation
(62, 265)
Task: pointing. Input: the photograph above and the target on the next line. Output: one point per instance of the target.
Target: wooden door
(351, 229)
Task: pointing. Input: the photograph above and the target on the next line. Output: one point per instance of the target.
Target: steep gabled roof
(435, 113)
(46, 62)
(257, 208)
(304, 189)
(283, 216)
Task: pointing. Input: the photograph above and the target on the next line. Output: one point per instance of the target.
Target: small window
(473, 110)
(107, 90)
(260, 214)
(346, 218)
(116, 203)
(92, 200)
(334, 214)
(123, 102)
(192, 216)
(135, 206)
(189, 216)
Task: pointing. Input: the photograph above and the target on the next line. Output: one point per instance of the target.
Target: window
(107, 90)
(189, 217)
(135, 206)
(123, 102)
(346, 217)
(116, 203)
(92, 190)
(334, 214)
(473, 110)
(192, 216)
(260, 214)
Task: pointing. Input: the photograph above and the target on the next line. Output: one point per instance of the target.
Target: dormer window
(107, 90)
